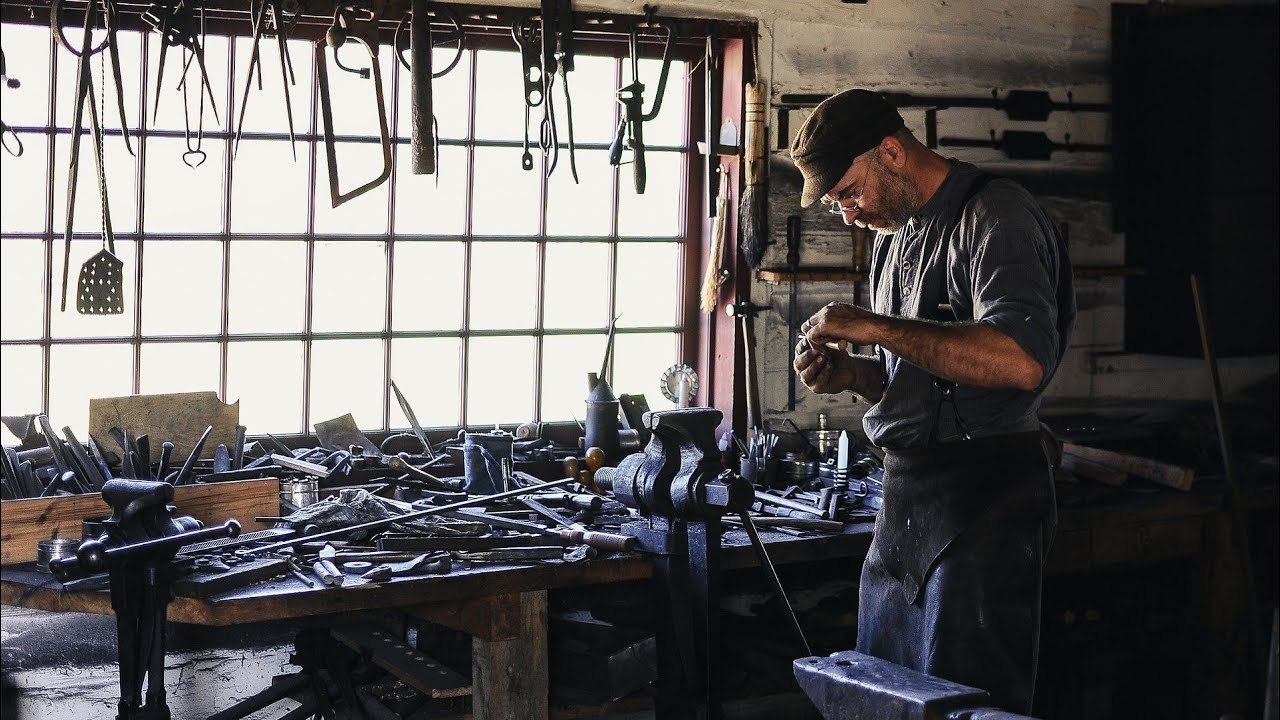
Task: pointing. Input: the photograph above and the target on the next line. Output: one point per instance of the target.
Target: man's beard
(899, 200)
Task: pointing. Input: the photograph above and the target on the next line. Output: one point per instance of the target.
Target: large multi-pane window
(484, 291)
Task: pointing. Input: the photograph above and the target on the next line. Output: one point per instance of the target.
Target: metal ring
(400, 50)
(56, 27)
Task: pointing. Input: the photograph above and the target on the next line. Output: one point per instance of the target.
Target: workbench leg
(509, 677)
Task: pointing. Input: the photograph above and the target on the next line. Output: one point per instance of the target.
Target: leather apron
(951, 584)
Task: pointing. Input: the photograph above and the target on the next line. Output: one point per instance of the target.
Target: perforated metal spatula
(100, 290)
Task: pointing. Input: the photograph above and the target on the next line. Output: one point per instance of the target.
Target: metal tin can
(47, 550)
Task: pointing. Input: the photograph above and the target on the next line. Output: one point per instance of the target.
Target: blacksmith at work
(972, 305)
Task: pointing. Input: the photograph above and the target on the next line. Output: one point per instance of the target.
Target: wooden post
(509, 676)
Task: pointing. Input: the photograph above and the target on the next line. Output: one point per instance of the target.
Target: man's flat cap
(840, 129)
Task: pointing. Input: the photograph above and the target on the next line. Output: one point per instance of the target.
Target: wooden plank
(418, 670)
(1174, 476)
(23, 522)
(180, 418)
(509, 677)
(1091, 470)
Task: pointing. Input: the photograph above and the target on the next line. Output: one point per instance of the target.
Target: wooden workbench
(503, 607)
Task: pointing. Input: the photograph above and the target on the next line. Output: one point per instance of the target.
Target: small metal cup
(47, 550)
(300, 492)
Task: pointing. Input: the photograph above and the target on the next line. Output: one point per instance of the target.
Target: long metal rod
(479, 500)
(1241, 529)
(758, 545)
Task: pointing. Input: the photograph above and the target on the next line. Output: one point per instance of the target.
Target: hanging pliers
(630, 132)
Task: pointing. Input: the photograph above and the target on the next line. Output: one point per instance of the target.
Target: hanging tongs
(270, 18)
(357, 22)
(110, 21)
(177, 24)
(630, 132)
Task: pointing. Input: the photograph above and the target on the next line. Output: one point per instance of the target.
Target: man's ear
(892, 152)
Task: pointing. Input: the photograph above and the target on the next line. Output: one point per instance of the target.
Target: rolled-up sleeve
(1013, 271)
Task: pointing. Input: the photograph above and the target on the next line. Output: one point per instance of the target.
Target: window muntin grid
(260, 290)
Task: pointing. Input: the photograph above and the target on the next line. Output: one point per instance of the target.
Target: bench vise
(140, 540)
(682, 491)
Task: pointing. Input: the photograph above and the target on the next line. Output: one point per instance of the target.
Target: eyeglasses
(836, 209)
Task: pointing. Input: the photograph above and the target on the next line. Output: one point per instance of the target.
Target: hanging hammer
(745, 310)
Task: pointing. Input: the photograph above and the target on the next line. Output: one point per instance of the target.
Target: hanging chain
(100, 146)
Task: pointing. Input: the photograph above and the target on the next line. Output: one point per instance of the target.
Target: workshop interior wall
(967, 49)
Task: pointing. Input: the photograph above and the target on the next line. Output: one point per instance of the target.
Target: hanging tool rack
(485, 26)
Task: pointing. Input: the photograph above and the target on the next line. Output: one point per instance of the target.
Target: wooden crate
(23, 522)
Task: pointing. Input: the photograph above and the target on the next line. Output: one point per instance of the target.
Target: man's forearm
(868, 378)
(964, 353)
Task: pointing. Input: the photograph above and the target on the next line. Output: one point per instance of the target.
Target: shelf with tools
(810, 274)
(839, 274)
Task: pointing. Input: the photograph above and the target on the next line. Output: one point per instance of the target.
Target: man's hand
(824, 372)
(842, 323)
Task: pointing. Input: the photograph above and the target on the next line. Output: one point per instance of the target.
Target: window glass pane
(129, 44)
(21, 377)
(428, 286)
(347, 377)
(426, 371)
(506, 200)
(638, 363)
(71, 324)
(353, 99)
(358, 163)
(269, 188)
(266, 378)
(21, 287)
(449, 100)
(668, 128)
(181, 287)
(26, 58)
(499, 380)
(181, 198)
(122, 188)
(350, 291)
(592, 83)
(504, 284)
(576, 291)
(432, 204)
(648, 284)
(659, 212)
(23, 184)
(500, 105)
(179, 367)
(265, 109)
(585, 207)
(566, 360)
(170, 115)
(268, 286)
(79, 373)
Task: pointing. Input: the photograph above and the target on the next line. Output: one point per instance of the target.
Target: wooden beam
(509, 677)
(1174, 476)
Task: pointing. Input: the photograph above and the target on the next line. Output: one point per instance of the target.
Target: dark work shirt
(997, 263)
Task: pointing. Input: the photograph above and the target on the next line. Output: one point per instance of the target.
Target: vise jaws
(679, 475)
